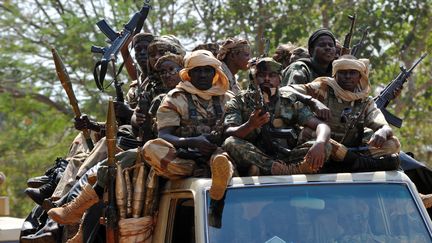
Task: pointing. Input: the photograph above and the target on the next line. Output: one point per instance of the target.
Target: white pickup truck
(344, 207)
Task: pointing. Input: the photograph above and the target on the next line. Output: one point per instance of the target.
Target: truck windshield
(317, 213)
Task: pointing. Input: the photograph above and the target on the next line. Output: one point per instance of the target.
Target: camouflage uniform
(193, 117)
(287, 113)
(370, 120)
(303, 71)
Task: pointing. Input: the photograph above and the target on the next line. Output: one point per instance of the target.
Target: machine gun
(360, 44)
(117, 40)
(347, 42)
(388, 94)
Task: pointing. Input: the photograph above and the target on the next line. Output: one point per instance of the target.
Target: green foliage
(35, 117)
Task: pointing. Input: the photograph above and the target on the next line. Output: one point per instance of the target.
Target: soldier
(351, 111)
(187, 114)
(152, 84)
(234, 55)
(167, 69)
(283, 54)
(321, 47)
(244, 124)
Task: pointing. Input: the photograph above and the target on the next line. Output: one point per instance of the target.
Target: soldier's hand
(256, 119)
(397, 91)
(321, 110)
(204, 146)
(84, 122)
(316, 156)
(122, 110)
(378, 138)
(138, 118)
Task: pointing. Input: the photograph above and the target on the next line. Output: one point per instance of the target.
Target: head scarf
(318, 33)
(283, 52)
(169, 57)
(142, 37)
(202, 58)
(363, 89)
(232, 44)
(169, 43)
(212, 47)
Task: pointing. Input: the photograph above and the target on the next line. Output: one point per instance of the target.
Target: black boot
(361, 163)
(48, 234)
(39, 194)
(59, 166)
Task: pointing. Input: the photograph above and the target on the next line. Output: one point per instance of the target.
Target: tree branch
(38, 97)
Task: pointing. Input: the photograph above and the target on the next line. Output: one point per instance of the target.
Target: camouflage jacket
(285, 110)
(191, 115)
(303, 71)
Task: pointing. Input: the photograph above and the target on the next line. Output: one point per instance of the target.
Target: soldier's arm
(317, 153)
(256, 120)
(199, 142)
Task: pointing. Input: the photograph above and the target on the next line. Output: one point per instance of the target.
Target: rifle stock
(64, 78)
(110, 211)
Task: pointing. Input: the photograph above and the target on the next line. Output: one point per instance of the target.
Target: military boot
(39, 194)
(360, 163)
(47, 234)
(72, 212)
(222, 171)
(279, 168)
(78, 237)
(59, 166)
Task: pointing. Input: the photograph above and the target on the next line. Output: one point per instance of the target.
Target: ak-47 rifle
(347, 42)
(110, 210)
(360, 44)
(64, 78)
(117, 40)
(388, 93)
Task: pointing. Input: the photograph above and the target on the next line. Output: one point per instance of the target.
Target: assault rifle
(388, 93)
(360, 44)
(64, 78)
(117, 40)
(347, 42)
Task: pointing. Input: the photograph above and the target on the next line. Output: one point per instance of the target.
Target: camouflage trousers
(77, 153)
(391, 146)
(245, 154)
(162, 157)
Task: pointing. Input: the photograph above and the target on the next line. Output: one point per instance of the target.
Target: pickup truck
(343, 207)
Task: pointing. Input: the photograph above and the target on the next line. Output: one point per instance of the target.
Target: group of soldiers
(304, 111)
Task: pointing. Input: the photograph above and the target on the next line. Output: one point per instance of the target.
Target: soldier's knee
(230, 143)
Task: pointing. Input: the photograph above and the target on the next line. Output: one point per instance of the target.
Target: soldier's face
(141, 54)
(169, 74)
(241, 58)
(202, 77)
(154, 54)
(268, 81)
(348, 79)
(324, 50)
